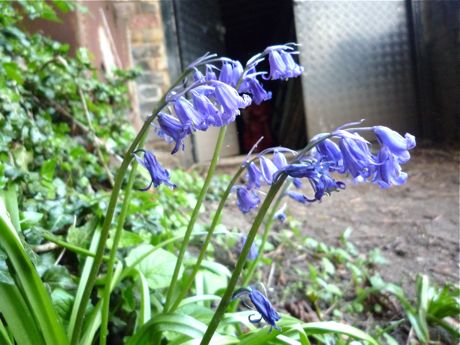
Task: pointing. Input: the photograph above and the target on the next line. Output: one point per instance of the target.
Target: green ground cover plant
(86, 257)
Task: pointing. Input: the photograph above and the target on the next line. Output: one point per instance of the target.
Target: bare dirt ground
(416, 226)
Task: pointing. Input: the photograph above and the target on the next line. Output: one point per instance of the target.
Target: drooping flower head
(396, 144)
(203, 98)
(172, 130)
(268, 168)
(279, 159)
(254, 176)
(358, 160)
(188, 115)
(261, 304)
(388, 171)
(253, 86)
(282, 65)
(318, 176)
(157, 172)
(246, 199)
(281, 213)
(230, 101)
(329, 151)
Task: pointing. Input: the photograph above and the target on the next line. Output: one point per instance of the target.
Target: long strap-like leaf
(32, 288)
(18, 317)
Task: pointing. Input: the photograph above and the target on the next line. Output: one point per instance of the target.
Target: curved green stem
(69, 246)
(226, 298)
(105, 232)
(89, 284)
(194, 216)
(268, 225)
(215, 222)
(113, 251)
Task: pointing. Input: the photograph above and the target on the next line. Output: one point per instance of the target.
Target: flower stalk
(113, 251)
(268, 226)
(194, 216)
(215, 222)
(80, 308)
(226, 298)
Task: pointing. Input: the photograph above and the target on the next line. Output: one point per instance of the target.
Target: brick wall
(148, 52)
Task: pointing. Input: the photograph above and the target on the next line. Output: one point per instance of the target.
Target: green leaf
(422, 285)
(289, 324)
(128, 239)
(144, 314)
(338, 328)
(30, 218)
(18, 316)
(389, 339)
(62, 301)
(48, 169)
(83, 280)
(157, 267)
(13, 72)
(4, 337)
(34, 291)
(199, 298)
(176, 323)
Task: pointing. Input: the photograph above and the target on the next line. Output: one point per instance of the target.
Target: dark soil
(416, 226)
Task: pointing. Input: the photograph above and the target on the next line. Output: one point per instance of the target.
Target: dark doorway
(251, 26)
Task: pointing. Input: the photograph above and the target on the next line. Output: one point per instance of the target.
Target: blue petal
(268, 168)
(246, 199)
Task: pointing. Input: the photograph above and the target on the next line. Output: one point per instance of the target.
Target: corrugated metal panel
(358, 63)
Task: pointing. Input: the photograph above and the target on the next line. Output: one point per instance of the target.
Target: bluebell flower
(157, 172)
(231, 73)
(188, 115)
(207, 109)
(397, 144)
(281, 213)
(253, 251)
(388, 172)
(357, 157)
(237, 73)
(282, 65)
(318, 176)
(226, 73)
(246, 199)
(297, 183)
(299, 170)
(230, 100)
(254, 176)
(172, 130)
(198, 76)
(279, 159)
(329, 151)
(299, 197)
(323, 183)
(262, 305)
(252, 86)
(210, 74)
(268, 168)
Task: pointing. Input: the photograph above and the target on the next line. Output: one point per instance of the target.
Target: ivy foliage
(63, 125)
(49, 142)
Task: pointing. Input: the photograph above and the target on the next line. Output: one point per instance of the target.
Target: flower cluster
(261, 304)
(214, 97)
(351, 155)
